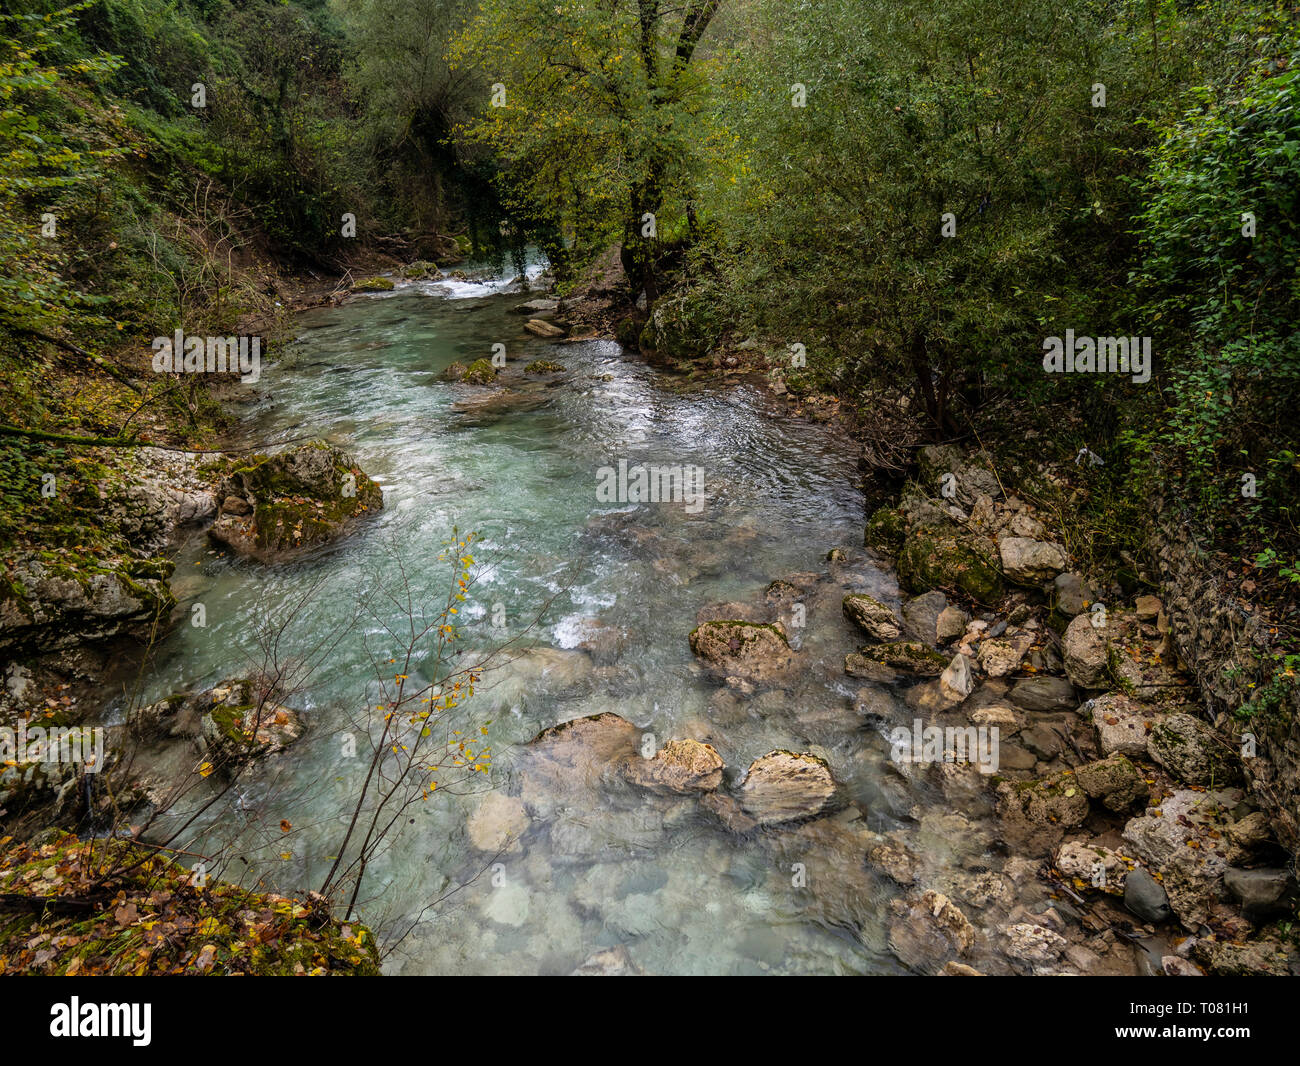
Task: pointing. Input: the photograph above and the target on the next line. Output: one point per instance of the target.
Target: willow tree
(598, 111)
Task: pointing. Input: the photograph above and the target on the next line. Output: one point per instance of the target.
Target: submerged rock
(497, 824)
(783, 786)
(295, 500)
(681, 766)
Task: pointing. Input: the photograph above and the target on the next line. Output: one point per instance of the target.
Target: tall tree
(598, 109)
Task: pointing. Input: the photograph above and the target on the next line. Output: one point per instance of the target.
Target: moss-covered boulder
(275, 507)
(939, 559)
(885, 531)
(240, 721)
(420, 270)
(480, 372)
(749, 650)
(158, 919)
(375, 284)
(543, 366)
(56, 599)
(683, 326)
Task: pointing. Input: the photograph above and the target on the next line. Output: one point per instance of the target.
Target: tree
(597, 110)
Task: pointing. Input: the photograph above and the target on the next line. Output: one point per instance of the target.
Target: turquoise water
(599, 866)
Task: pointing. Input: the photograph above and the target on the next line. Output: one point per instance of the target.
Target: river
(664, 879)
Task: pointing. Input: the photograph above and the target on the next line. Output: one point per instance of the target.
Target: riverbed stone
(749, 650)
(1036, 814)
(1031, 561)
(874, 618)
(1114, 781)
(1264, 893)
(783, 786)
(921, 616)
(1145, 897)
(906, 657)
(1044, 694)
(680, 766)
(1121, 724)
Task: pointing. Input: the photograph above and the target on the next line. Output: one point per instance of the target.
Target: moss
(932, 560)
(375, 284)
(152, 921)
(885, 531)
(480, 372)
(543, 366)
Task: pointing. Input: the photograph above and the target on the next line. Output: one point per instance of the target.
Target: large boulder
(54, 600)
(1181, 839)
(754, 651)
(783, 786)
(275, 507)
(240, 720)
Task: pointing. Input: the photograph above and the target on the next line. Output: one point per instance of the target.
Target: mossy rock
(543, 366)
(375, 284)
(628, 331)
(908, 657)
(885, 531)
(480, 372)
(752, 650)
(950, 562)
(299, 498)
(420, 270)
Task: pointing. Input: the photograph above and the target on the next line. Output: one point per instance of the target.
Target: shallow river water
(598, 867)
